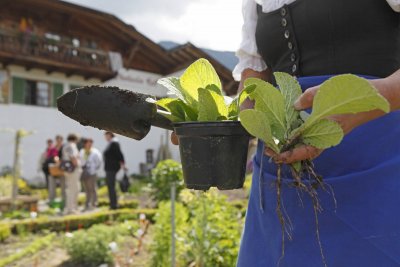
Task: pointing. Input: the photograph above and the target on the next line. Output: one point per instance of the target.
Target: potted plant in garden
(213, 144)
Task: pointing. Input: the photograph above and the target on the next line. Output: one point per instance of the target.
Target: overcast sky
(214, 24)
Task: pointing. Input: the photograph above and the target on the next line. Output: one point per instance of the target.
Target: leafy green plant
(74, 222)
(5, 231)
(31, 249)
(213, 239)
(161, 245)
(275, 121)
(91, 247)
(166, 172)
(199, 96)
(208, 231)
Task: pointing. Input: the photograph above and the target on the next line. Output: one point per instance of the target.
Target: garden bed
(74, 222)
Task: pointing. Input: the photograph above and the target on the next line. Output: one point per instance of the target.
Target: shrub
(161, 246)
(74, 222)
(5, 231)
(105, 202)
(208, 231)
(213, 239)
(31, 249)
(162, 176)
(91, 247)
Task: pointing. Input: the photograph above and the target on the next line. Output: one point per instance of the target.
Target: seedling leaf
(257, 124)
(235, 104)
(173, 105)
(211, 106)
(271, 102)
(345, 94)
(290, 90)
(323, 134)
(200, 74)
(173, 85)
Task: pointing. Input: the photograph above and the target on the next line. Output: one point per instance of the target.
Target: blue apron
(363, 230)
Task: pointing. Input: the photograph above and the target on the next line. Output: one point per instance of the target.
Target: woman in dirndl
(313, 40)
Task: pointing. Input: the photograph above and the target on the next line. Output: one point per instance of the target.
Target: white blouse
(247, 52)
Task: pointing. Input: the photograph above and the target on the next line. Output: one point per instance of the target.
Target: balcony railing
(41, 47)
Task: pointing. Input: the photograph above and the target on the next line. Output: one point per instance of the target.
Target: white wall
(47, 122)
(138, 81)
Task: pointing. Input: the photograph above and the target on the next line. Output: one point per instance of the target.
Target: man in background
(113, 162)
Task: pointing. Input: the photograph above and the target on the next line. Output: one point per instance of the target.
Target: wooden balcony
(32, 51)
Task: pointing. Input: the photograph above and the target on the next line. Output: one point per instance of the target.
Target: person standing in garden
(54, 180)
(91, 163)
(313, 40)
(48, 157)
(113, 162)
(70, 154)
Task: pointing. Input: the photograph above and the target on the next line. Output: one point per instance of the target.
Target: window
(37, 93)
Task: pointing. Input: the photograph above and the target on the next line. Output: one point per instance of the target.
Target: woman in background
(70, 153)
(91, 162)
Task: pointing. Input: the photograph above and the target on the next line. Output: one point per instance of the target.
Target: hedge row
(5, 231)
(74, 222)
(31, 249)
(105, 202)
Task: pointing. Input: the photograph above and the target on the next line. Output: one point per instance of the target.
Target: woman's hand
(347, 121)
(174, 139)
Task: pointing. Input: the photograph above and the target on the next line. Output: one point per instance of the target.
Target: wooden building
(48, 47)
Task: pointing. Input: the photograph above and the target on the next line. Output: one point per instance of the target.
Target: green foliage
(208, 231)
(161, 245)
(345, 94)
(212, 106)
(199, 96)
(290, 90)
(213, 239)
(16, 215)
(91, 247)
(74, 222)
(31, 249)
(105, 202)
(282, 126)
(6, 186)
(256, 123)
(270, 101)
(200, 74)
(322, 133)
(5, 231)
(162, 176)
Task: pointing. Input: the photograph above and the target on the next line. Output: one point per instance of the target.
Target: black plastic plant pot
(213, 154)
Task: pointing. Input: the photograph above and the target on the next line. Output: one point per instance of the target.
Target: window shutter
(58, 90)
(18, 90)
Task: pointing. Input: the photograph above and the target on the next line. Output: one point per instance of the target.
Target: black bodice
(319, 37)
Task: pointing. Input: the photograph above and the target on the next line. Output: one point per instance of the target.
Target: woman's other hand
(174, 139)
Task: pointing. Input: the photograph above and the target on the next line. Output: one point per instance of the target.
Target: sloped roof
(138, 51)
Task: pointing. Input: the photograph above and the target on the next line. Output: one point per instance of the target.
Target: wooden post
(16, 170)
